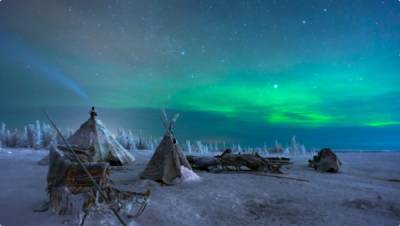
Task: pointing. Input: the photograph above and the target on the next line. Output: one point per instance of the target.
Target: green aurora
(311, 97)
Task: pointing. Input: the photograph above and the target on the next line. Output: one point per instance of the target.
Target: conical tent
(94, 134)
(167, 161)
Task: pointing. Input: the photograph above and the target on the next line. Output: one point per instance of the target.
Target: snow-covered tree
(23, 138)
(239, 148)
(38, 135)
(48, 136)
(216, 148)
(127, 139)
(277, 148)
(31, 136)
(3, 133)
(188, 146)
(65, 134)
(122, 137)
(154, 143)
(286, 151)
(131, 139)
(295, 148)
(141, 144)
(12, 138)
(200, 147)
(303, 149)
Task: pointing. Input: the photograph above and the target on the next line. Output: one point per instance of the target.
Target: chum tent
(168, 161)
(93, 135)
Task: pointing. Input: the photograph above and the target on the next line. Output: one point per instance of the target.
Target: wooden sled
(66, 179)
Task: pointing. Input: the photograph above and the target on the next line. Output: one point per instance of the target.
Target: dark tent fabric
(165, 164)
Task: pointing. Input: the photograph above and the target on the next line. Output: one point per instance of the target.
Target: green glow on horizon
(383, 123)
(299, 101)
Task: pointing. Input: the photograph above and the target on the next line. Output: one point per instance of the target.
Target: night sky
(242, 71)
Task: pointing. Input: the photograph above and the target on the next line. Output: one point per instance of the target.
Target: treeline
(41, 135)
(37, 136)
(293, 148)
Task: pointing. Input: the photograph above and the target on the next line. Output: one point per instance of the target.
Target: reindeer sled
(76, 184)
(252, 164)
(67, 179)
(230, 161)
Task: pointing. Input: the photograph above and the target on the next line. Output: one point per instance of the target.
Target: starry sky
(244, 71)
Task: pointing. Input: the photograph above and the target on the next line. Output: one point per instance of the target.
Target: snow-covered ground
(365, 192)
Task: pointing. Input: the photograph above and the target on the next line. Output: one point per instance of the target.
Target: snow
(361, 194)
(188, 175)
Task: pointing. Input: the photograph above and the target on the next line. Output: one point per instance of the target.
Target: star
(182, 53)
(326, 10)
(303, 21)
(276, 86)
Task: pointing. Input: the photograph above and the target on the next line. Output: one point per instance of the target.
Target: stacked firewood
(230, 161)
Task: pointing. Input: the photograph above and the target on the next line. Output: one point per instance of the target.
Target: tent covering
(94, 134)
(165, 165)
(168, 161)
